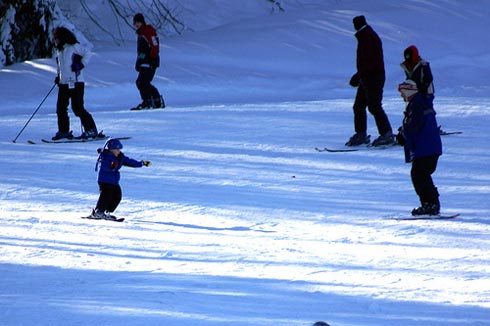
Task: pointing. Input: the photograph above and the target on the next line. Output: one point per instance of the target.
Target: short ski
(426, 217)
(112, 218)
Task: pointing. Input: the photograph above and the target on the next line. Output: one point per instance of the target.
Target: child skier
(111, 159)
(422, 143)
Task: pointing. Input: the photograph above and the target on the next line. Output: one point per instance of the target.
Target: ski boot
(359, 138)
(145, 105)
(92, 133)
(384, 140)
(426, 209)
(158, 103)
(97, 214)
(62, 135)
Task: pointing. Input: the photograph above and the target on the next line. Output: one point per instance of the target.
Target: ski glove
(399, 137)
(355, 80)
(146, 163)
(77, 64)
(57, 80)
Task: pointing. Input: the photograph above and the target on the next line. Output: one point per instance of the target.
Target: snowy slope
(239, 221)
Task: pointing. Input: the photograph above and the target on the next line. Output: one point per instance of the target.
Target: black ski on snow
(336, 150)
(145, 109)
(357, 148)
(75, 140)
(114, 218)
(426, 217)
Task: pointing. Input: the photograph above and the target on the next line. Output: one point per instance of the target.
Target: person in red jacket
(369, 80)
(147, 62)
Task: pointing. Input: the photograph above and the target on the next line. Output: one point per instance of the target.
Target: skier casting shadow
(369, 80)
(71, 58)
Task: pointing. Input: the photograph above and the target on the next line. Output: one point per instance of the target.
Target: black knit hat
(139, 18)
(359, 22)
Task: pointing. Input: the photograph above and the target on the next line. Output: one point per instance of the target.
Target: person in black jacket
(147, 62)
(369, 80)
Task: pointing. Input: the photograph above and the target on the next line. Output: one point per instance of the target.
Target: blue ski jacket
(420, 129)
(110, 166)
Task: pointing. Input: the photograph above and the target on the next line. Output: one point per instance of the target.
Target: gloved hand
(57, 80)
(399, 137)
(77, 64)
(146, 163)
(355, 80)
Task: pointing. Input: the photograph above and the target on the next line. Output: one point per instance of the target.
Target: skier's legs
(62, 108)
(116, 198)
(77, 105)
(143, 83)
(360, 115)
(422, 169)
(374, 95)
(105, 197)
(155, 94)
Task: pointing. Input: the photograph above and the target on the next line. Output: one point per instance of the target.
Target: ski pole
(33, 114)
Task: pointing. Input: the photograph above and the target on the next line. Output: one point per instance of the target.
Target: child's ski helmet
(114, 143)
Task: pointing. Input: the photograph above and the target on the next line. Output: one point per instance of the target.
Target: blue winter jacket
(110, 166)
(420, 129)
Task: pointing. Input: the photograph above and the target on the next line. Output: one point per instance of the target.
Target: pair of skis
(426, 217)
(75, 140)
(351, 149)
(358, 148)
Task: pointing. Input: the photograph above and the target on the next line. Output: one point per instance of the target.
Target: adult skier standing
(71, 58)
(369, 80)
(147, 62)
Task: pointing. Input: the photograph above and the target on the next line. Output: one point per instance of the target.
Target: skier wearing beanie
(369, 80)
(147, 62)
(422, 143)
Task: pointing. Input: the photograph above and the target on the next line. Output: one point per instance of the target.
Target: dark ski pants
(370, 95)
(422, 169)
(109, 198)
(143, 82)
(65, 94)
